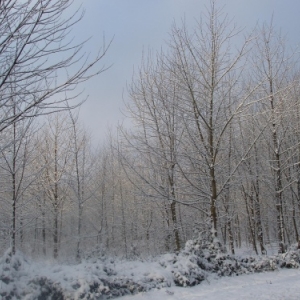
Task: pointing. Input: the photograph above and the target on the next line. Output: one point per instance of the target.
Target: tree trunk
(174, 220)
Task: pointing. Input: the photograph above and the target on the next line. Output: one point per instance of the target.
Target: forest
(213, 150)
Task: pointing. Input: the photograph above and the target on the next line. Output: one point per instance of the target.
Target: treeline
(213, 150)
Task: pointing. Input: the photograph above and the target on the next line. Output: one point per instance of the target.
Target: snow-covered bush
(200, 258)
(44, 288)
(103, 278)
(12, 269)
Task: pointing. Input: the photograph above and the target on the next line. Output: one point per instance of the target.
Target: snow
(214, 273)
(277, 285)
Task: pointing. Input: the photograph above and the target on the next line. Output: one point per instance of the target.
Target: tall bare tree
(154, 108)
(276, 66)
(210, 74)
(17, 155)
(55, 160)
(80, 173)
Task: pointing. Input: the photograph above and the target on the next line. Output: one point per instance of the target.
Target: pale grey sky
(144, 24)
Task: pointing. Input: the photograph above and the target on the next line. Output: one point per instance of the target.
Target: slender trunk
(213, 200)
(44, 227)
(14, 217)
(259, 228)
(224, 233)
(60, 232)
(183, 229)
(56, 215)
(21, 229)
(149, 226)
(213, 183)
(80, 189)
(173, 209)
(250, 221)
(238, 239)
(80, 211)
(168, 235)
(294, 219)
(228, 221)
(277, 168)
(55, 234)
(174, 220)
(14, 190)
(230, 236)
(123, 219)
(136, 219)
(35, 236)
(213, 209)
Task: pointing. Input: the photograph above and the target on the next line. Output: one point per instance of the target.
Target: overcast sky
(135, 25)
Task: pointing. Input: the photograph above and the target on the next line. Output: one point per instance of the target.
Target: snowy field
(277, 285)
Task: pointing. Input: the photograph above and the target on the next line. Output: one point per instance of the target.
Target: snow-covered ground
(215, 274)
(276, 285)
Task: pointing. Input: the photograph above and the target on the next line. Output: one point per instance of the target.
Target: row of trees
(40, 70)
(218, 132)
(61, 198)
(213, 149)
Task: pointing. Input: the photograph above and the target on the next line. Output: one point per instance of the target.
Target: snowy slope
(277, 285)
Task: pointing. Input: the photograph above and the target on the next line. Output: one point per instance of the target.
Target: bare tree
(276, 67)
(38, 56)
(154, 108)
(210, 74)
(55, 162)
(80, 174)
(17, 155)
(40, 69)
